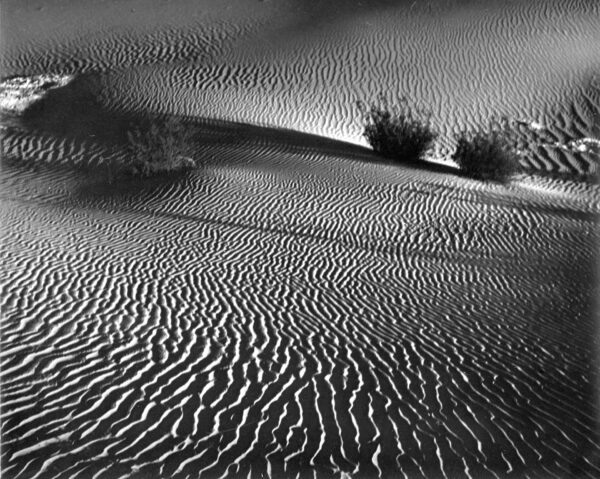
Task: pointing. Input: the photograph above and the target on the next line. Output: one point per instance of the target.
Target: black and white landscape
(294, 304)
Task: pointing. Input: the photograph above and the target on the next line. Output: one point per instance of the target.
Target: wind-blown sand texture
(296, 307)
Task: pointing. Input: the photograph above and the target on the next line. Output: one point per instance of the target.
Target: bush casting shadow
(486, 155)
(395, 132)
(148, 145)
(157, 147)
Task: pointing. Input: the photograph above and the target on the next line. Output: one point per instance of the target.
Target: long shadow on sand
(77, 113)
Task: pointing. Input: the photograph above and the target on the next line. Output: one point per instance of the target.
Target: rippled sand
(296, 307)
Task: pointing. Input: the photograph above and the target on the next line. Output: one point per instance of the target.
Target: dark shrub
(395, 132)
(157, 147)
(486, 155)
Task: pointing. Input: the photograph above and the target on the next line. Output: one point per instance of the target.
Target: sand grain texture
(296, 306)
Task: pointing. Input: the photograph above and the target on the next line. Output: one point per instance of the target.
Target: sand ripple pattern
(291, 311)
(529, 61)
(297, 308)
(533, 62)
(108, 50)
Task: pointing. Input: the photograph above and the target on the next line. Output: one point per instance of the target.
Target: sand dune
(288, 311)
(529, 61)
(296, 306)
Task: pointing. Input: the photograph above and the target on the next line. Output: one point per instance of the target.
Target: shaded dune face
(288, 310)
(296, 307)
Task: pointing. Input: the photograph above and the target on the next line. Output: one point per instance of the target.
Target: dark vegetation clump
(486, 155)
(404, 134)
(157, 147)
(395, 131)
(149, 145)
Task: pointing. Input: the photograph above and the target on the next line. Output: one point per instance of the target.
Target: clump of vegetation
(395, 131)
(486, 155)
(157, 147)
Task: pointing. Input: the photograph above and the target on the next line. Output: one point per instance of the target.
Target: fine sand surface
(296, 307)
(303, 64)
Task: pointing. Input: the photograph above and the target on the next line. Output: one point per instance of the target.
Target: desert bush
(486, 155)
(395, 131)
(157, 147)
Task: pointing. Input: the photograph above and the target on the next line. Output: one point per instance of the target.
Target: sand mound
(290, 308)
(295, 305)
(285, 66)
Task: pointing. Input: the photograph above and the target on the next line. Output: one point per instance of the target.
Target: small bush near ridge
(158, 146)
(395, 132)
(486, 155)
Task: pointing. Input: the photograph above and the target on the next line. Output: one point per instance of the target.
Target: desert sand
(297, 306)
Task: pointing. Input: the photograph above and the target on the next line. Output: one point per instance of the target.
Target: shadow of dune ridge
(78, 112)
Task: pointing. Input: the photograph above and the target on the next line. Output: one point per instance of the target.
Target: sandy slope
(302, 65)
(295, 306)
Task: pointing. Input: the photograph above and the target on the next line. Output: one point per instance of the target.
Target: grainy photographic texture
(293, 238)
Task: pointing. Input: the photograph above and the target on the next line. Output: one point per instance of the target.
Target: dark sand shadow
(76, 112)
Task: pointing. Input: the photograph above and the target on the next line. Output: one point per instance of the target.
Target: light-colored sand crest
(18, 93)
